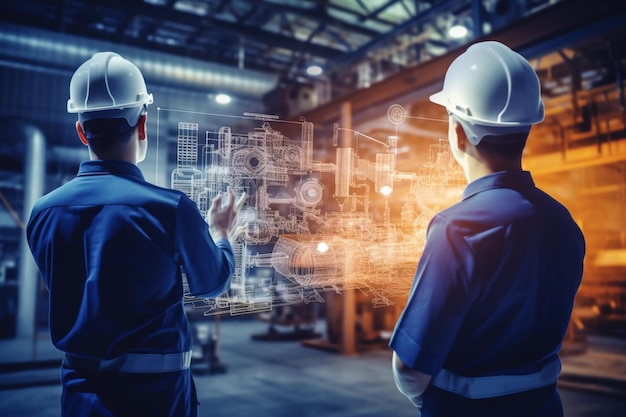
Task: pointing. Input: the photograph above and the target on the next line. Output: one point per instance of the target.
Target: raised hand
(223, 217)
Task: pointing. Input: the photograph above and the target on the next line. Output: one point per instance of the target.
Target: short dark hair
(103, 134)
(506, 146)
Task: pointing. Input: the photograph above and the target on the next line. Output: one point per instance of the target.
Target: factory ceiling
(373, 53)
(355, 43)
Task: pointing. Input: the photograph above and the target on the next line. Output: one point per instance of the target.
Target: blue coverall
(110, 248)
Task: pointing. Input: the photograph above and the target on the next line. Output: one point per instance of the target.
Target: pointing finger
(215, 203)
(231, 198)
(240, 202)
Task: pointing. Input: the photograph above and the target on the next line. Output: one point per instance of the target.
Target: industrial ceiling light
(314, 70)
(222, 98)
(458, 31)
(460, 27)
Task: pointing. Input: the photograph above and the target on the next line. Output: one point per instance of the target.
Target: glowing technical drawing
(289, 245)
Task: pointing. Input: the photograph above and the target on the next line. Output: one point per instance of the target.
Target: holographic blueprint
(311, 226)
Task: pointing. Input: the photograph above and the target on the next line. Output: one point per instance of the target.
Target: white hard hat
(492, 90)
(108, 86)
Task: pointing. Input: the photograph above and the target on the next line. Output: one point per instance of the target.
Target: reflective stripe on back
(497, 385)
(132, 362)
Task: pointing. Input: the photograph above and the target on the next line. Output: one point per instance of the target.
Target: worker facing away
(494, 288)
(112, 250)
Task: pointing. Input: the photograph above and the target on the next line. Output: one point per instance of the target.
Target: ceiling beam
(321, 13)
(353, 12)
(379, 10)
(354, 57)
(550, 29)
(163, 14)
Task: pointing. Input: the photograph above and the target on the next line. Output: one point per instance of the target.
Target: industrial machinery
(290, 244)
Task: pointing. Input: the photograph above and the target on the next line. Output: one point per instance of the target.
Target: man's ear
(461, 137)
(141, 126)
(81, 134)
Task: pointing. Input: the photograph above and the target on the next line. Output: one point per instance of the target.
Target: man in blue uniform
(112, 250)
(494, 289)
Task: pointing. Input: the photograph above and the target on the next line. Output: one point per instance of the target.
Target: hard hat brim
(439, 98)
(130, 114)
(145, 100)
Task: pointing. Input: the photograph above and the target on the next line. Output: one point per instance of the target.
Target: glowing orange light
(385, 190)
(322, 247)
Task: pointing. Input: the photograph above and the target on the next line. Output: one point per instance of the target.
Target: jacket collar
(109, 167)
(502, 179)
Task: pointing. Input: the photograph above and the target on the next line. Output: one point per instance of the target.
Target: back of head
(109, 95)
(493, 92)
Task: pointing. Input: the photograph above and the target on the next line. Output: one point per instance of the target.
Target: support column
(348, 310)
(34, 171)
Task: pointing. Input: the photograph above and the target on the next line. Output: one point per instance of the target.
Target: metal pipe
(345, 153)
(34, 170)
(477, 18)
(64, 52)
(68, 154)
(345, 172)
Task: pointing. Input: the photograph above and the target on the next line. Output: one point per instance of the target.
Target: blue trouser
(110, 394)
(542, 402)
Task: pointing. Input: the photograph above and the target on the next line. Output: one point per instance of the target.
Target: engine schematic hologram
(310, 226)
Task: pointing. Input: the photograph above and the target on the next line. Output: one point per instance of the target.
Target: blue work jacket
(110, 247)
(495, 285)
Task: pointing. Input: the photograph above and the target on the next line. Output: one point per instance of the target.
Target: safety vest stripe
(132, 362)
(497, 385)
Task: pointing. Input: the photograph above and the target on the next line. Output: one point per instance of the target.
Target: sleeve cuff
(414, 355)
(223, 243)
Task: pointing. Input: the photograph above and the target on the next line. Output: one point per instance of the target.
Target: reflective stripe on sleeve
(132, 362)
(497, 385)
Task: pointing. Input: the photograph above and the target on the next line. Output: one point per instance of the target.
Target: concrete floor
(281, 379)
